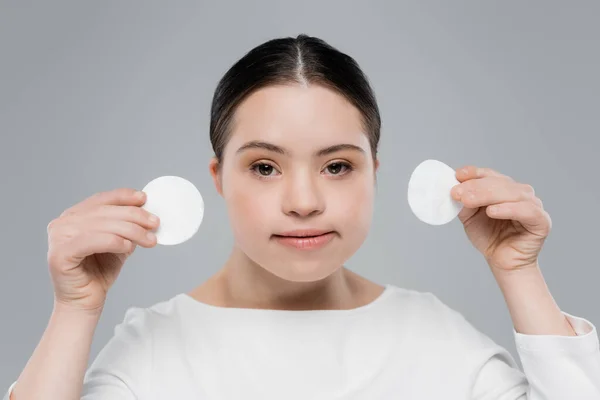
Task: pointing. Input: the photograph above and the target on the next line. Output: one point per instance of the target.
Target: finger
(125, 229)
(473, 172)
(491, 190)
(530, 215)
(96, 242)
(133, 214)
(466, 213)
(117, 197)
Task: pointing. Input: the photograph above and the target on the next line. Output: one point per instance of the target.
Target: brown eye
(263, 169)
(337, 168)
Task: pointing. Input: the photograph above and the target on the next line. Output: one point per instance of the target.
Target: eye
(338, 168)
(263, 169)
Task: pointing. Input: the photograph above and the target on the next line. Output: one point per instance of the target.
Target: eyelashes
(266, 171)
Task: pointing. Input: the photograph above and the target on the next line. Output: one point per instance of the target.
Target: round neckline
(388, 288)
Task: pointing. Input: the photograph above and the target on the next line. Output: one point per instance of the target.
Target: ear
(376, 164)
(213, 167)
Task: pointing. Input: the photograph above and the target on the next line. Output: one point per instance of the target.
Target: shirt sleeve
(9, 392)
(555, 367)
(122, 366)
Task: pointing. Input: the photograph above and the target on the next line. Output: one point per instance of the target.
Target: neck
(248, 285)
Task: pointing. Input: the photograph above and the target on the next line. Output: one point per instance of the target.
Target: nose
(303, 197)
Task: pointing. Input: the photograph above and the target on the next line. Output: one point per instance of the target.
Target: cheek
(248, 208)
(352, 206)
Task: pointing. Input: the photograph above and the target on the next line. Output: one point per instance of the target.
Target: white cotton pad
(429, 193)
(178, 204)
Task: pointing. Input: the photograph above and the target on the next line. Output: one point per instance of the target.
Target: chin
(303, 270)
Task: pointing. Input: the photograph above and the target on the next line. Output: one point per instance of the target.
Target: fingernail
(153, 218)
(151, 236)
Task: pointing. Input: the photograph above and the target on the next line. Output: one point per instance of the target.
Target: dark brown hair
(302, 60)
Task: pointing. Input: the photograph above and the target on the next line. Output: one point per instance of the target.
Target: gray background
(99, 95)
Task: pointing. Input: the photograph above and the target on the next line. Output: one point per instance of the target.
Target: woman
(295, 130)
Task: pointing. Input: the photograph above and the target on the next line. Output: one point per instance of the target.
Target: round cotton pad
(178, 204)
(429, 193)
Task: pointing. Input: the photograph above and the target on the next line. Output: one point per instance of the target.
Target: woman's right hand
(89, 243)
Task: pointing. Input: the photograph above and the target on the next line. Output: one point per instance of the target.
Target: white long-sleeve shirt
(404, 345)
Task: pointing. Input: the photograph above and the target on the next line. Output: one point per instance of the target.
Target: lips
(306, 239)
(302, 233)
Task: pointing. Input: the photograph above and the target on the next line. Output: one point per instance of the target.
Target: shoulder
(432, 319)
(125, 362)
(444, 340)
(134, 336)
(426, 304)
(144, 322)
(434, 328)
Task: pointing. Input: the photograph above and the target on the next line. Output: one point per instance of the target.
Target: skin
(295, 190)
(506, 222)
(502, 218)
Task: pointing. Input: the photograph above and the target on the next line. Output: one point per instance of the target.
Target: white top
(403, 345)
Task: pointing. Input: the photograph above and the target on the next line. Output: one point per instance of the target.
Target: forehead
(297, 117)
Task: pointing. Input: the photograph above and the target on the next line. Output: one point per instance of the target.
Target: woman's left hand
(503, 219)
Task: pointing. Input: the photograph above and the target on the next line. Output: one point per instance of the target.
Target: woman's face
(297, 158)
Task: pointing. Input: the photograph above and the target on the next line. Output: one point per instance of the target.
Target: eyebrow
(255, 144)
